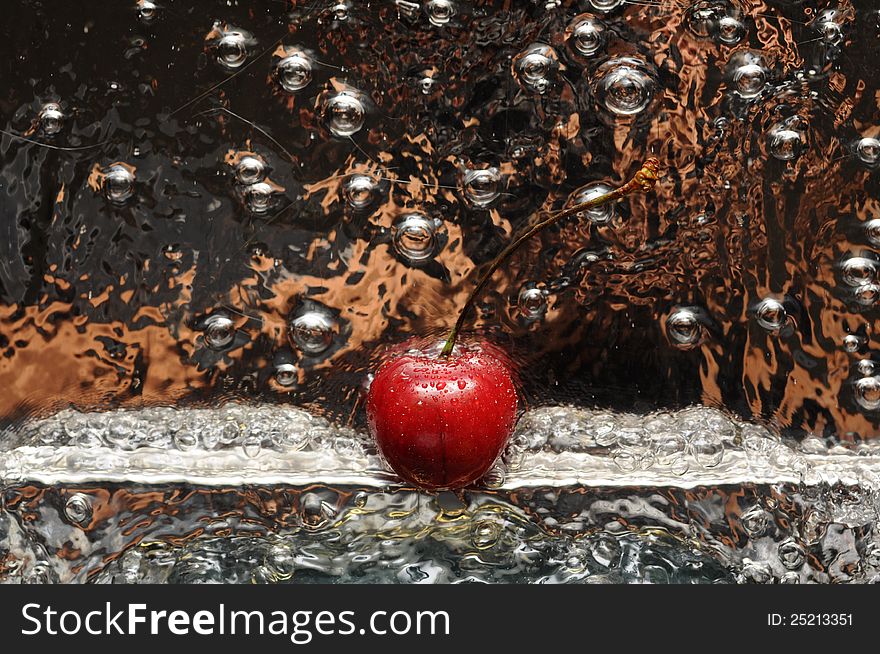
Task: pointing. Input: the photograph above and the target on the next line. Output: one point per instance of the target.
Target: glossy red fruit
(442, 422)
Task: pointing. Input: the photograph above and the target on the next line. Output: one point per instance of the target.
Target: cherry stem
(644, 180)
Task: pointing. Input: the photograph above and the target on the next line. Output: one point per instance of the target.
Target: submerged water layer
(257, 493)
(252, 200)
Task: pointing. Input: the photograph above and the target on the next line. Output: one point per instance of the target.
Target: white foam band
(553, 446)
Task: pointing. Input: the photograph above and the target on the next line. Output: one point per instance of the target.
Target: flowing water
(218, 217)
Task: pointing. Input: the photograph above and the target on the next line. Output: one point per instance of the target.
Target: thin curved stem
(644, 180)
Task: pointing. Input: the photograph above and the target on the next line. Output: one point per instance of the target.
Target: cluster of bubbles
(536, 67)
(867, 385)
(312, 330)
(665, 442)
(767, 534)
(258, 193)
(382, 539)
(859, 273)
(716, 19)
(250, 429)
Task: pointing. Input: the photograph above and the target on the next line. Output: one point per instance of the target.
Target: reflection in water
(256, 207)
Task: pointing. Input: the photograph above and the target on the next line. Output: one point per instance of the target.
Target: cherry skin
(442, 422)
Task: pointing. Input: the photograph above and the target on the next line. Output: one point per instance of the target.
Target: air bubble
(707, 450)
(51, 118)
(286, 374)
(359, 191)
(294, 72)
(785, 142)
(219, 331)
(730, 30)
(252, 446)
(185, 439)
(495, 477)
(872, 231)
(597, 215)
(624, 86)
(771, 314)
(755, 521)
(605, 6)
(749, 80)
(755, 572)
(827, 26)
(671, 452)
(259, 197)
(232, 48)
(852, 343)
(791, 554)
(250, 170)
(427, 84)
(532, 303)
(481, 187)
(867, 393)
(78, 509)
(415, 238)
(340, 11)
(484, 534)
(684, 328)
(858, 271)
(147, 11)
(118, 183)
(866, 367)
(586, 35)
(439, 12)
(312, 331)
(868, 150)
(343, 113)
(867, 294)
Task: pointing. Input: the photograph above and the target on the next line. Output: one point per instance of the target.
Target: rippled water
(251, 202)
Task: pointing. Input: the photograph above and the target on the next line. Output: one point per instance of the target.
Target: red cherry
(442, 422)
